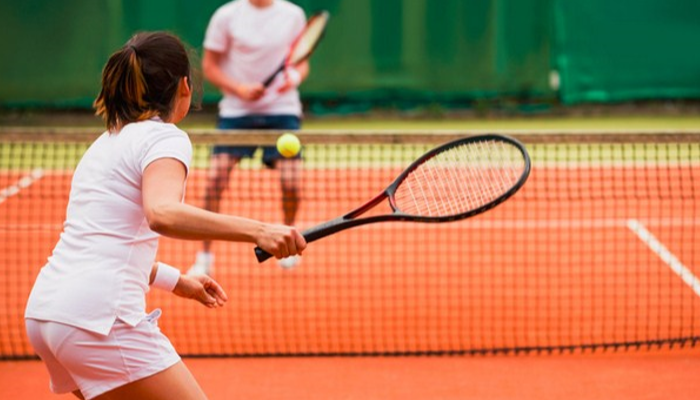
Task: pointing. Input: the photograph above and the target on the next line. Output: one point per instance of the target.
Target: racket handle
(261, 254)
(317, 232)
(271, 78)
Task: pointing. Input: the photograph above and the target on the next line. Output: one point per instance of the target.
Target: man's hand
(292, 79)
(249, 91)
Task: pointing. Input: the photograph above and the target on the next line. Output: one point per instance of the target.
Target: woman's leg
(176, 382)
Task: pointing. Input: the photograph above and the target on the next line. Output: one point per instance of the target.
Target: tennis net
(599, 249)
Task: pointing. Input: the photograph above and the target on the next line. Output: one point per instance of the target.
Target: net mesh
(599, 249)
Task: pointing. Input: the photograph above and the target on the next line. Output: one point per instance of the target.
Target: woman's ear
(185, 88)
(181, 102)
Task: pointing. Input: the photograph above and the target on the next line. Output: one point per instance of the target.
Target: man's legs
(290, 170)
(217, 182)
(290, 179)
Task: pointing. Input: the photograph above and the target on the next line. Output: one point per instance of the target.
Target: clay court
(583, 285)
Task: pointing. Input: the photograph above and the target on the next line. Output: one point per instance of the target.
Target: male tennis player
(246, 40)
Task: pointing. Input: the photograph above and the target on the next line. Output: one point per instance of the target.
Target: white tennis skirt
(94, 364)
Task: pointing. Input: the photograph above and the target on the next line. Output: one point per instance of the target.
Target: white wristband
(293, 76)
(166, 277)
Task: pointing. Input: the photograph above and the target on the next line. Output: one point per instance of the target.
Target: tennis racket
(454, 181)
(304, 44)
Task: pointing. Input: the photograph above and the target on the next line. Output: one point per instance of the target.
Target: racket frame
(286, 62)
(350, 219)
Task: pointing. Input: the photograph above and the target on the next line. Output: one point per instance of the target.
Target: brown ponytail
(140, 80)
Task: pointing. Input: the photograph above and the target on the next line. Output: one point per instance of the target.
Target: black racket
(304, 44)
(454, 181)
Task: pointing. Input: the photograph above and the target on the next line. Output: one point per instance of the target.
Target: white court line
(22, 183)
(665, 254)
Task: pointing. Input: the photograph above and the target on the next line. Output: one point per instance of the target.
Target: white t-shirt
(100, 268)
(254, 42)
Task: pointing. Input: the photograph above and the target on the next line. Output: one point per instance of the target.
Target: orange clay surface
(662, 375)
(496, 306)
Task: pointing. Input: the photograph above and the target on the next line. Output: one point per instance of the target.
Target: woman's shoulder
(164, 129)
(152, 130)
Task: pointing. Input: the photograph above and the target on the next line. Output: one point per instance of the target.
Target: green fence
(618, 50)
(385, 52)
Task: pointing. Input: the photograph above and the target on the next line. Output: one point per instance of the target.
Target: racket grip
(315, 233)
(261, 254)
(271, 78)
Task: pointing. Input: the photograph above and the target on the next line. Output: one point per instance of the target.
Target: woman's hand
(281, 241)
(201, 288)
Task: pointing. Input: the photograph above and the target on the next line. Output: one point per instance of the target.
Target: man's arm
(211, 67)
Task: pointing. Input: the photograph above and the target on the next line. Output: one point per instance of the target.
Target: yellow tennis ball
(288, 145)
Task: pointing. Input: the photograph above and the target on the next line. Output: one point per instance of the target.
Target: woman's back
(101, 264)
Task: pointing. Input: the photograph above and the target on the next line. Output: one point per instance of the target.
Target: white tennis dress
(100, 268)
(86, 315)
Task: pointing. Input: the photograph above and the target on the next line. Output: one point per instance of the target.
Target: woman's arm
(162, 191)
(197, 287)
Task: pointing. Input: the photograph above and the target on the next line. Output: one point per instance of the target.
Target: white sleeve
(216, 37)
(167, 144)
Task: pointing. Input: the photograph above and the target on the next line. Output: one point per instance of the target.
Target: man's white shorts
(95, 364)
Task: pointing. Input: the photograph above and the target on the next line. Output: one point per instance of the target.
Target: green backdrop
(620, 50)
(385, 52)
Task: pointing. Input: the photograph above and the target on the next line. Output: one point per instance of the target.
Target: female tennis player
(86, 315)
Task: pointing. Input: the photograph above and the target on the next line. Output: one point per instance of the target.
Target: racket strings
(461, 179)
(308, 39)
